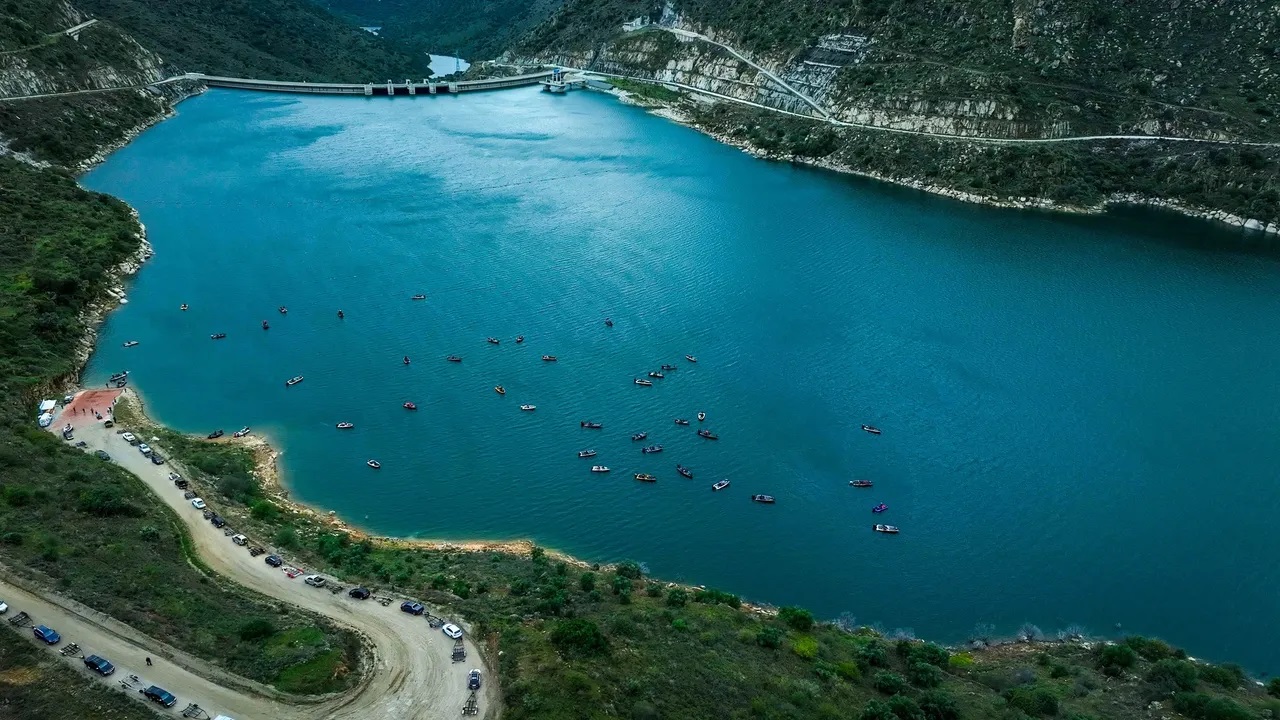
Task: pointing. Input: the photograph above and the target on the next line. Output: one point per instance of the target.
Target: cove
(1079, 414)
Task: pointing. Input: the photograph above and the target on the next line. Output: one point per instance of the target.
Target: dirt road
(413, 675)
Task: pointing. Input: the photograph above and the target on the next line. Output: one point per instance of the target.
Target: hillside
(980, 69)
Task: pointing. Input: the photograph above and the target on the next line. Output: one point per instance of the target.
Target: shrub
(579, 636)
(1206, 707)
(1149, 648)
(770, 637)
(461, 589)
(805, 646)
(629, 569)
(924, 675)
(904, 708)
(439, 581)
(287, 538)
(257, 629)
(1170, 674)
(889, 683)
(938, 705)
(521, 587)
(848, 670)
(679, 624)
(621, 584)
(716, 597)
(873, 654)
(677, 597)
(538, 555)
(653, 590)
(928, 653)
(263, 510)
(796, 618)
(877, 710)
(11, 538)
(1273, 687)
(961, 661)
(1032, 700)
(1115, 659)
(587, 582)
(106, 501)
(1226, 676)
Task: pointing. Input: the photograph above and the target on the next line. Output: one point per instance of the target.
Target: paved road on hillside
(412, 676)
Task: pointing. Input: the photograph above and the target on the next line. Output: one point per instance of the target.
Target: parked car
(274, 560)
(197, 503)
(109, 423)
(240, 540)
(314, 580)
(156, 459)
(473, 680)
(451, 630)
(4, 607)
(181, 484)
(359, 593)
(101, 454)
(217, 521)
(102, 666)
(413, 608)
(174, 477)
(129, 438)
(158, 694)
(47, 635)
(144, 448)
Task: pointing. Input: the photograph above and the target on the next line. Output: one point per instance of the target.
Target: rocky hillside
(1020, 69)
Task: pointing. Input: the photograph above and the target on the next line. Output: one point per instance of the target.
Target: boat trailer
(473, 705)
(22, 619)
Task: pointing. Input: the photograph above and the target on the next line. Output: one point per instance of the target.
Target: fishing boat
(684, 471)
(454, 358)
(341, 314)
(406, 359)
(657, 375)
(691, 358)
(548, 358)
(215, 435)
(721, 485)
(217, 336)
(590, 425)
(871, 429)
(681, 421)
(646, 383)
(586, 453)
(265, 326)
(600, 468)
(651, 449)
(283, 310)
(766, 499)
(667, 366)
(131, 343)
(519, 339)
(708, 435)
(879, 508)
(639, 436)
(117, 377)
(373, 464)
(183, 307)
(528, 408)
(345, 425)
(890, 529)
(499, 389)
(645, 477)
(493, 341)
(409, 406)
(608, 322)
(701, 416)
(419, 296)
(293, 381)
(241, 432)
(860, 483)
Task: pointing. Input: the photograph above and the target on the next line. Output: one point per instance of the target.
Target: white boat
(646, 383)
(345, 425)
(373, 464)
(293, 381)
(721, 485)
(890, 529)
(528, 408)
(241, 432)
(701, 416)
(586, 453)
(131, 343)
(599, 469)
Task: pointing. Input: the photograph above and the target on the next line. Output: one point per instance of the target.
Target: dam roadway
(407, 87)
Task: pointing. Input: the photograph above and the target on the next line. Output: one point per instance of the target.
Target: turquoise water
(1079, 414)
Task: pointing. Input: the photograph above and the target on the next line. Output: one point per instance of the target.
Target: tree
(587, 582)
(579, 636)
(677, 597)
(889, 683)
(1115, 659)
(904, 708)
(938, 705)
(877, 710)
(1170, 674)
(924, 675)
(770, 637)
(796, 618)
(287, 537)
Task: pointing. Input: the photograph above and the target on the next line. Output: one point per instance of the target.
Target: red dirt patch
(81, 411)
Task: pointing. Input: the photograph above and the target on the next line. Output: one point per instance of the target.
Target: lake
(1079, 414)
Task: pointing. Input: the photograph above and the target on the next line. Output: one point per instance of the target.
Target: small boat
(119, 376)
(600, 468)
(217, 336)
(528, 408)
(373, 464)
(293, 381)
(454, 358)
(681, 421)
(183, 307)
(121, 382)
(215, 435)
(667, 366)
(519, 339)
(409, 406)
(586, 453)
(684, 471)
(890, 529)
(131, 343)
(608, 322)
(871, 429)
(345, 425)
(701, 416)
(419, 296)
(341, 314)
(590, 425)
(646, 383)
(639, 436)
(860, 483)
(879, 508)
(766, 499)
(548, 358)
(493, 341)
(651, 449)
(656, 375)
(721, 485)
(645, 477)
(691, 358)
(499, 389)
(708, 435)
(241, 432)
(283, 310)
(265, 326)
(406, 359)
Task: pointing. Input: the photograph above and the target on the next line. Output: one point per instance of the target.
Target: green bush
(578, 636)
(961, 661)
(770, 637)
(587, 582)
(877, 710)
(1149, 648)
(1225, 676)
(796, 618)
(287, 538)
(928, 653)
(1115, 659)
(1273, 687)
(923, 675)
(805, 646)
(1034, 700)
(106, 501)
(904, 708)
(677, 597)
(938, 705)
(1169, 674)
(889, 683)
(257, 629)
(629, 569)
(263, 510)
(1206, 707)
(873, 654)
(848, 670)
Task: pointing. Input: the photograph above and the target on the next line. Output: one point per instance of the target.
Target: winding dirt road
(411, 676)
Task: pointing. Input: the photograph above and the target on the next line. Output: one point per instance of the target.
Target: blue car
(157, 694)
(102, 666)
(47, 635)
(413, 608)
